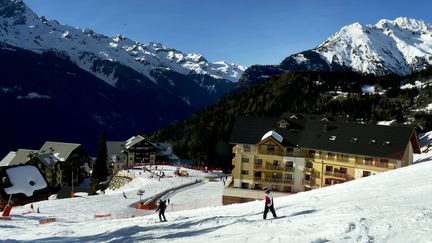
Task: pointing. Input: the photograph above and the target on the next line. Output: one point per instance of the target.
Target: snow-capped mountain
(104, 56)
(396, 46)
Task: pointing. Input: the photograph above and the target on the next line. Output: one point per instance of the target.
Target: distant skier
(31, 206)
(268, 203)
(124, 195)
(168, 201)
(161, 208)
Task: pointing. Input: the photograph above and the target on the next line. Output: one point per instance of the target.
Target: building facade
(295, 153)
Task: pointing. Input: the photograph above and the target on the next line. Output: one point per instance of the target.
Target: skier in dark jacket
(269, 203)
(161, 208)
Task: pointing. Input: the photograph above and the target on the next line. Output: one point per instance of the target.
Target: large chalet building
(295, 153)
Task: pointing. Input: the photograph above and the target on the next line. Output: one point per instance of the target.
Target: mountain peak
(405, 23)
(16, 10)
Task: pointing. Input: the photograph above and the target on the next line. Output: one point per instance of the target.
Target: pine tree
(100, 170)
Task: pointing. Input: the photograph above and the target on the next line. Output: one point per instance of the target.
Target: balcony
(258, 178)
(258, 166)
(272, 167)
(308, 170)
(337, 174)
(289, 169)
(374, 163)
(308, 182)
(274, 180)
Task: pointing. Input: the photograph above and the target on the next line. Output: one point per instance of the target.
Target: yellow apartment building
(299, 152)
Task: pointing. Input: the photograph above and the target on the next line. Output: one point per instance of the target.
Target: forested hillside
(204, 137)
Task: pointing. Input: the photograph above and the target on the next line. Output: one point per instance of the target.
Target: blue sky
(239, 31)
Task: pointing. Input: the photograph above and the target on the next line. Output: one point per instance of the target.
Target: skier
(268, 203)
(161, 208)
(124, 195)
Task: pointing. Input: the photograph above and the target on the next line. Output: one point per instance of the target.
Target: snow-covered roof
(63, 150)
(273, 134)
(25, 179)
(133, 140)
(8, 158)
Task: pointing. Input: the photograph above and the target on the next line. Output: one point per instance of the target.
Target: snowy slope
(389, 207)
(21, 27)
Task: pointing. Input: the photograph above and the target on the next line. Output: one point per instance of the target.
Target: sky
(245, 32)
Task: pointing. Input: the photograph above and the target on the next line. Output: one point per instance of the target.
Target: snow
(398, 46)
(417, 84)
(85, 48)
(392, 206)
(273, 134)
(25, 179)
(33, 95)
(386, 123)
(425, 140)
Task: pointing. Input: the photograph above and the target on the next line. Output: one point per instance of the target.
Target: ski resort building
(295, 153)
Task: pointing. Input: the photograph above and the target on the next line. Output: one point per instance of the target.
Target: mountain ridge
(398, 46)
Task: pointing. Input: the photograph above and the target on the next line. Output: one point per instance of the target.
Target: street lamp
(140, 193)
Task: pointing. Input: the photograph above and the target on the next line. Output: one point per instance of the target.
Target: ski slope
(389, 207)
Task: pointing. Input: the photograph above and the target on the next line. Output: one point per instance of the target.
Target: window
(354, 140)
(245, 160)
(384, 160)
(289, 150)
(289, 164)
(282, 125)
(329, 168)
(312, 153)
(287, 189)
(327, 181)
(343, 170)
(331, 155)
(308, 177)
(258, 161)
(366, 173)
(270, 148)
(246, 148)
(245, 172)
(257, 174)
(309, 164)
(245, 185)
(275, 162)
(288, 176)
(275, 176)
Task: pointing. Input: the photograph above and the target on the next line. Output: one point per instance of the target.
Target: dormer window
(332, 138)
(283, 123)
(387, 143)
(354, 140)
(325, 119)
(372, 141)
(293, 117)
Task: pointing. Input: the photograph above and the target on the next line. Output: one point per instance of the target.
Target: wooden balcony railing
(373, 163)
(258, 166)
(308, 182)
(274, 180)
(289, 169)
(308, 170)
(337, 174)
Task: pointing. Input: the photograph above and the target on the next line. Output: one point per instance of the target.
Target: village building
(298, 152)
(116, 155)
(73, 161)
(139, 150)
